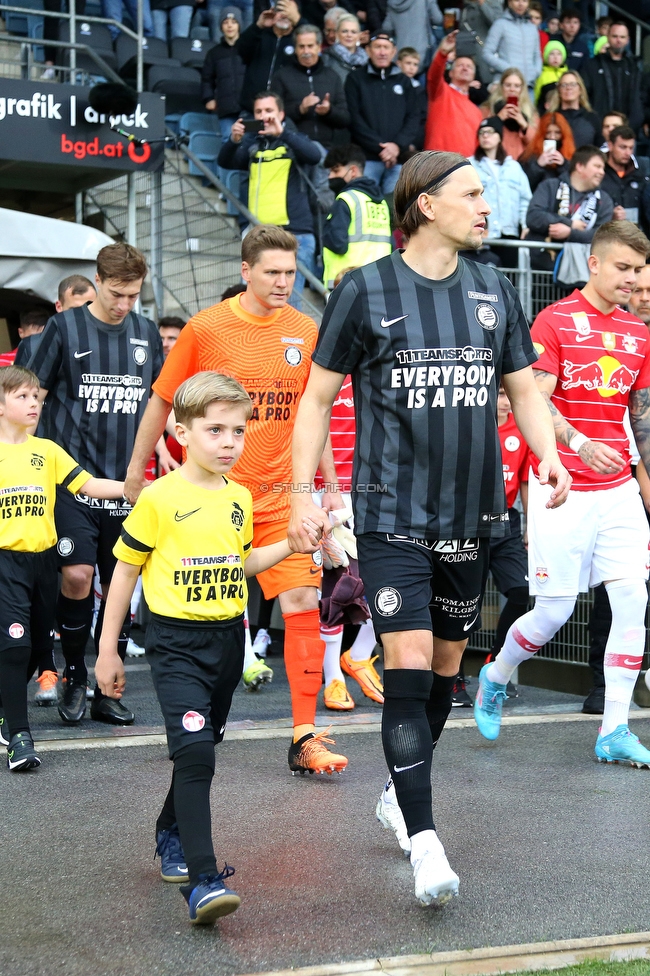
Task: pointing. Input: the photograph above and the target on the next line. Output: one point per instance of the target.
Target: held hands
(323, 106)
(237, 131)
(619, 213)
(559, 231)
(309, 101)
(389, 154)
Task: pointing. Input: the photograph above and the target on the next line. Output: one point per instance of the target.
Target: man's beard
(471, 243)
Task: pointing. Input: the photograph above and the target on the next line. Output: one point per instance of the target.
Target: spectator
(571, 101)
(510, 101)
(375, 14)
(74, 291)
(536, 17)
(171, 18)
(331, 24)
(540, 160)
(613, 78)
(611, 120)
(453, 118)
(505, 187)
(552, 25)
(410, 23)
(32, 323)
(346, 53)
(312, 93)
(570, 210)
(577, 47)
(222, 74)
(276, 194)
(602, 26)
(265, 47)
(408, 62)
(600, 46)
(313, 11)
(513, 42)
(476, 19)
(114, 10)
(624, 179)
(384, 116)
(169, 327)
(554, 58)
(357, 230)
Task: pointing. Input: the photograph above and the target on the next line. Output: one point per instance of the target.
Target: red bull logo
(607, 375)
(542, 574)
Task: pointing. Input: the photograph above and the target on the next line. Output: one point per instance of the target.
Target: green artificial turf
(638, 967)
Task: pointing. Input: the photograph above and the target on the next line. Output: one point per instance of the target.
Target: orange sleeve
(182, 362)
(436, 75)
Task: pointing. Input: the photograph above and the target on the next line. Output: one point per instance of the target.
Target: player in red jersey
(594, 362)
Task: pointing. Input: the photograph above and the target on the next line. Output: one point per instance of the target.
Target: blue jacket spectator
(577, 47)
(506, 186)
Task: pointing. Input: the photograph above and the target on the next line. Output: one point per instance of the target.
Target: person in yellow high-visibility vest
(357, 230)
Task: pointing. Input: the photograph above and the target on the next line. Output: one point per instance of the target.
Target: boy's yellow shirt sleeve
(248, 530)
(68, 473)
(139, 532)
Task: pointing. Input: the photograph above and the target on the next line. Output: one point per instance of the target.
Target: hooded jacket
(335, 231)
(293, 82)
(585, 125)
(222, 77)
(617, 84)
(382, 108)
(513, 42)
(298, 149)
(410, 23)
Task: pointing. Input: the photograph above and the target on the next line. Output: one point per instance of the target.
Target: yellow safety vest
(268, 184)
(369, 235)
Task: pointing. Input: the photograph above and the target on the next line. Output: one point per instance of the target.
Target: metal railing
(570, 644)
(71, 17)
(639, 25)
(536, 289)
(27, 63)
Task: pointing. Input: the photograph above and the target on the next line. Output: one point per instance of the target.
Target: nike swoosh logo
(313, 572)
(401, 769)
(384, 324)
(632, 664)
(179, 518)
(471, 623)
(584, 338)
(80, 355)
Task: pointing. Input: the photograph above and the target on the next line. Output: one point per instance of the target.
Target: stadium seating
(206, 146)
(96, 36)
(190, 51)
(198, 122)
(154, 53)
(180, 86)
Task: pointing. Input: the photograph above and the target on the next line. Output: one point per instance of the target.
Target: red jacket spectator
(453, 120)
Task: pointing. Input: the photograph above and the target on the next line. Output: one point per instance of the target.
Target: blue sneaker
(170, 851)
(622, 746)
(210, 899)
(488, 705)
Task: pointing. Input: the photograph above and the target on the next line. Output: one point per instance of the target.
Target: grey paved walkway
(548, 844)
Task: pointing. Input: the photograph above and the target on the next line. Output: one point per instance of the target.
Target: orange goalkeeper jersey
(271, 357)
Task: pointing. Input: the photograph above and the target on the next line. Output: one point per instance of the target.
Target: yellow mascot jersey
(192, 544)
(29, 474)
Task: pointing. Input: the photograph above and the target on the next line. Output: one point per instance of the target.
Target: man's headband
(436, 183)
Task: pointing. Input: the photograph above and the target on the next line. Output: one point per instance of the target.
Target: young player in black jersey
(427, 337)
(96, 364)
(192, 534)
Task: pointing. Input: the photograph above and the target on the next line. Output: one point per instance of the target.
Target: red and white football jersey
(343, 434)
(516, 459)
(598, 359)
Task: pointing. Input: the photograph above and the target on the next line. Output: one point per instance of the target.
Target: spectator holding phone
(511, 103)
(549, 152)
(265, 47)
(276, 192)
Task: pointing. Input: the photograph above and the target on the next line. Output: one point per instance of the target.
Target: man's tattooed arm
(640, 420)
(564, 431)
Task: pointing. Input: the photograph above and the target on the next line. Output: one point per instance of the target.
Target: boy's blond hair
(13, 377)
(194, 396)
